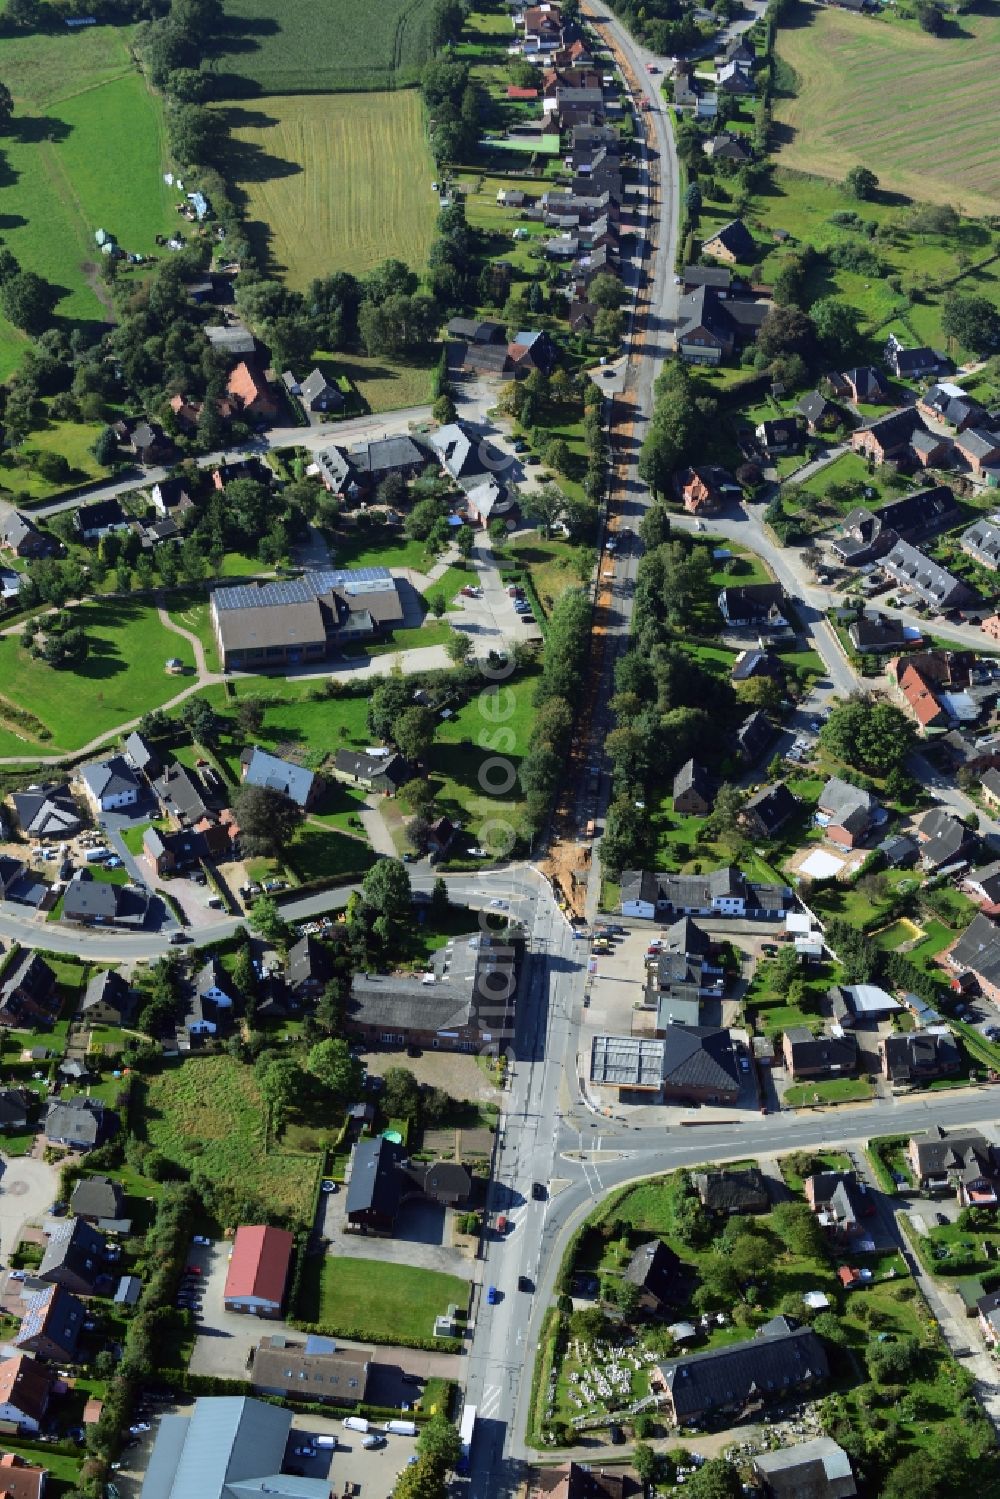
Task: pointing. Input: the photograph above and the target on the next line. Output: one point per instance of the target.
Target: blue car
(491, 1295)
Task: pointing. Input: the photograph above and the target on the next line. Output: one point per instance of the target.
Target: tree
(418, 794)
(388, 700)
(266, 920)
(893, 1362)
(716, 1479)
(413, 732)
(544, 506)
(200, 719)
(786, 331)
(267, 819)
(444, 409)
(973, 321)
(22, 15)
(837, 327)
(440, 902)
(798, 1230)
(459, 647)
(646, 1462)
(861, 183)
(386, 889)
(606, 291)
(68, 647)
(250, 714)
(439, 1444)
(280, 1081)
(194, 133)
(6, 105)
(335, 1068)
(27, 300)
(930, 16)
(401, 1095)
(868, 733)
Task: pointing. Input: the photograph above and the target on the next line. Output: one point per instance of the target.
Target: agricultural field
(333, 183)
(208, 1113)
(919, 110)
(122, 677)
(295, 49)
(85, 151)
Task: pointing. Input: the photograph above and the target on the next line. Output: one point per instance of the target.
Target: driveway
(28, 1187)
(422, 1238)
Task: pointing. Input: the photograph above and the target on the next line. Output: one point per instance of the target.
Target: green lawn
(325, 854)
(122, 678)
(835, 1090)
(368, 1298)
(207, 1113)
(361, 547)
(553, 565)
(72, 440)
(495, 721)
(85, 151)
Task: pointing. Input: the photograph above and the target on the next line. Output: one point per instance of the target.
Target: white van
(356, 1423)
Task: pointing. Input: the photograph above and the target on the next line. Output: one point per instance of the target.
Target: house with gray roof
(260, 768)
(79, 1122)
(142, 755)
(93, 902)
(107, 999)
(933, 584)
(47, 811)
(817, 1469)
(292, 621)
(28, 993)
(694, 790)
(846, 813)
(110, 784)
(375, 769)
(309, 968)
(982, 542)
(461, 1002)
(96, 1197)
(51, 1324)
(977, 953)
(229, 1447)
(182, 796)
(945, 841)
(20, 535)
(318, 394)
(75, 1257)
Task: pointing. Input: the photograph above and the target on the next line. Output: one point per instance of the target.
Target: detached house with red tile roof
(251, 392)
(20, 1479)
(25, 1390)
(919, 699)
(258, 1271)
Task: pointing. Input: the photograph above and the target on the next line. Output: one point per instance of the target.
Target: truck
(327, 1442)
(357, 1423)
(466, 1431)
(401, 1428)
(97, 855)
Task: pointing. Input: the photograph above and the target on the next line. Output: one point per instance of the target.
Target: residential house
(982, 542)
(258, 1271)
(733, 244)
(532, 350)
(146, 440)
(16, 1106)
(988, 1308)
(984, 885)
(320, 395)
(919, 697)
(181, 794)
(705, 489)
(718, 278)
(656, 1272)
(920, 1056)
(694, 790)
(309, 969)
(949, 403)
(543, 28)
(899, 851)
(97, 518)
(910, 364)
(212, 1001)
(723, 892)
(109, 785)
(807, 1056)
(377, 770)
(20, 535)
(26, 1387)
(315, 1370)
(757, 663)
(242, 468)
(866, 386)
(765, 813)
(931, 583)
(881, 635)
(889, 438)
(20, 1479)
(817, 1469)
(726, 147)
(12, 873)
(991, 627)
(75, 1257)
(989, 785)
(846, 813)
(229, 1445)
(819, 413)
(840, 1200)
(754, 737)
(233, 339)
(580, 1481)
(736, 80)
(28, 995)
(964, 1162)
(779, 1362)
(867, 534)
(250, 393)
(95, 1198)
(142, 756)
(260, 768)
(80, 1122)
(463, 1000)
(50, 1328)
(93, 902)
(733, 1191)
(47, 811)
(980, 449)
(977, 954)
(461, 452)
(754, 606)
(778, 436)
(945, 841)
(710, 329)
(382, 1177)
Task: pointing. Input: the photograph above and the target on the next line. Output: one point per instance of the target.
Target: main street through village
(550, 1132)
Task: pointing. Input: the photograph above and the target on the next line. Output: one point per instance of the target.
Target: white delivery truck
(356, 1423)
(401, 1428)
(466, 1431)
(327, 1442)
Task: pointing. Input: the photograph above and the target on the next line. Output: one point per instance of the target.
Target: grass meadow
(85, 151)
(296, 49)
(377, 1300)
(919, 110)
(334, 183)
(208, 1112)
(122, 677)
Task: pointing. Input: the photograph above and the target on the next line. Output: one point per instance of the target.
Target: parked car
(491, 1295)
(200, 1239)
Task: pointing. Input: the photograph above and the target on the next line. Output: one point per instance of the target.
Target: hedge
(210, 1384)
(365, 1335)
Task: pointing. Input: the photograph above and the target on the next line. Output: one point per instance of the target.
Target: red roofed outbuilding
(258, 1271)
